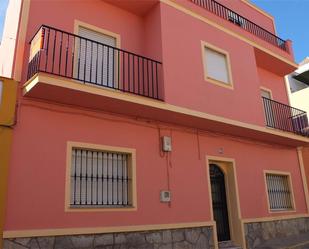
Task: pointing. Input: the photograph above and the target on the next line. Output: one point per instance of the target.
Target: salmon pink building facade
(152, 124)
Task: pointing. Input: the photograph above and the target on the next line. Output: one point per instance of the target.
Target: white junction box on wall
(166, 143)
(165, 196)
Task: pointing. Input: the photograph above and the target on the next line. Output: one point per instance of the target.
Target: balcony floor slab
(71, 92)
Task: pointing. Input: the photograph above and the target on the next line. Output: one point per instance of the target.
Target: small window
(266, 93)
(268, 107)
(100, 179)
(216, 66)
(279, 192)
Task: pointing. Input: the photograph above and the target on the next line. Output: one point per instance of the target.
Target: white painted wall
(9, 38)
(298, 92)
(295, 85)
(300, 100)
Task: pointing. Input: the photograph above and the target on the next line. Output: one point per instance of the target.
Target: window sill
(280, 211)
(219, 83)
(112, 208)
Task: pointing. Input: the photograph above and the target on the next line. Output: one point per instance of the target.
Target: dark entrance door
(219, 203)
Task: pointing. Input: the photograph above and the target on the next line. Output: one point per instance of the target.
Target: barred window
(279, 192)
(100, 178)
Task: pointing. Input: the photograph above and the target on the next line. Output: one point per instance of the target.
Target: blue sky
(292, 22)
(291, 17)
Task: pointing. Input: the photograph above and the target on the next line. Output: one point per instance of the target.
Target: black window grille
(100, 178)
(279, 192)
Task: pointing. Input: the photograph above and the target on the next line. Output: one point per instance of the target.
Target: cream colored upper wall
(298, 92)
(300, 99)
(295, 85)
(9, 38)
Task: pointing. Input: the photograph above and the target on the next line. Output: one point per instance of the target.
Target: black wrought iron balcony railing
(230, 15)
(87, 61)
(285, 117)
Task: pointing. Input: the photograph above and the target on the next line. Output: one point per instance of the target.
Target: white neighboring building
(298, 86)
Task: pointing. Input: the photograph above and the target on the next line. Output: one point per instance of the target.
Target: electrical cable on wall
(137, 121)
(167, 156)
(161, 152)
(143, 122)
(198, 144)
(169, 166)
(168, 176)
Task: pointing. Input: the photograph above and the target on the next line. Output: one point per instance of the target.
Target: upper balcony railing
(230, 15)
(285, 117)
(87, 61)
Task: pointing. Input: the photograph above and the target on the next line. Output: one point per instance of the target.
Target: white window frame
(272, 114)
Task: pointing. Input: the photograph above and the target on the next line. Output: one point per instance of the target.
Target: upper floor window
(101, 178)
(97, 61)
(216, 65)
(266, 93)
(279, 191)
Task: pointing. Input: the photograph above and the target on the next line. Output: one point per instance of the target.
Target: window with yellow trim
(100, 178)
(279, 192)
(216, 65)
(96, 57)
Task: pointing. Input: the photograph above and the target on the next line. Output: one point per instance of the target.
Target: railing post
(42, 42)
(279, 115)
(289, 47)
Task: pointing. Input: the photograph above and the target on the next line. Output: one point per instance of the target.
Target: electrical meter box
(165, 196)
(166, 144)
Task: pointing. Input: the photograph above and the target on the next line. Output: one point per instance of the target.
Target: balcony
(68, 69)
(233, 17)
(285, 118)
(89, 62)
